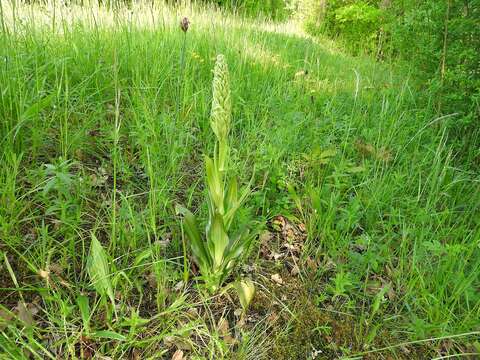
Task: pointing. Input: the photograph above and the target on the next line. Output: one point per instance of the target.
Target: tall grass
(90, 143)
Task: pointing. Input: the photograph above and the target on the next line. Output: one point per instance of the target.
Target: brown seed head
(184, 24)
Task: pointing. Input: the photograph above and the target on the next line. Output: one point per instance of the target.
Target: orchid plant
(217, 250)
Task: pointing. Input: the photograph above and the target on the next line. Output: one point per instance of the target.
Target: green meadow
(363, 218)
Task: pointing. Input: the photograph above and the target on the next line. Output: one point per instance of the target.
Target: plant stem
(185, 261)
(180, 79)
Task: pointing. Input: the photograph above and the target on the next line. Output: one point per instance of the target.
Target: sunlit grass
(348, 148)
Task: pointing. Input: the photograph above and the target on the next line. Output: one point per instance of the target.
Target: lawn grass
(370, 222)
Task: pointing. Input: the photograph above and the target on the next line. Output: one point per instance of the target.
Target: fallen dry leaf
(44, 274)
(178, 355)
(193, 313)
(295, 270)
(179, 285)
(290, 247)
(302, 227)
(391, 293)
(87, 349)
(230, 340)
(55, 268)
(277, 279)
(223, 327)
(272, 318)
(179, 343)
(241, 321)
(136, 355)
(445, 346)
(312, 264)
(291, 233)
(25, 313)
(276, 256)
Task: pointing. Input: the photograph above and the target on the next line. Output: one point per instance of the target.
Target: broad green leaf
(134, 320)
(222, 155)
(107, 334)
(84, 306)
(214, 183)
(232, 197)
(98, 269)
(230, 213)
(217, 241)
(372, 333)
(246, 291)
(193, 234)
(239, 244)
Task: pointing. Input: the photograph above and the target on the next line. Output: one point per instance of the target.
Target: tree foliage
(440, 39)
(272, 9)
